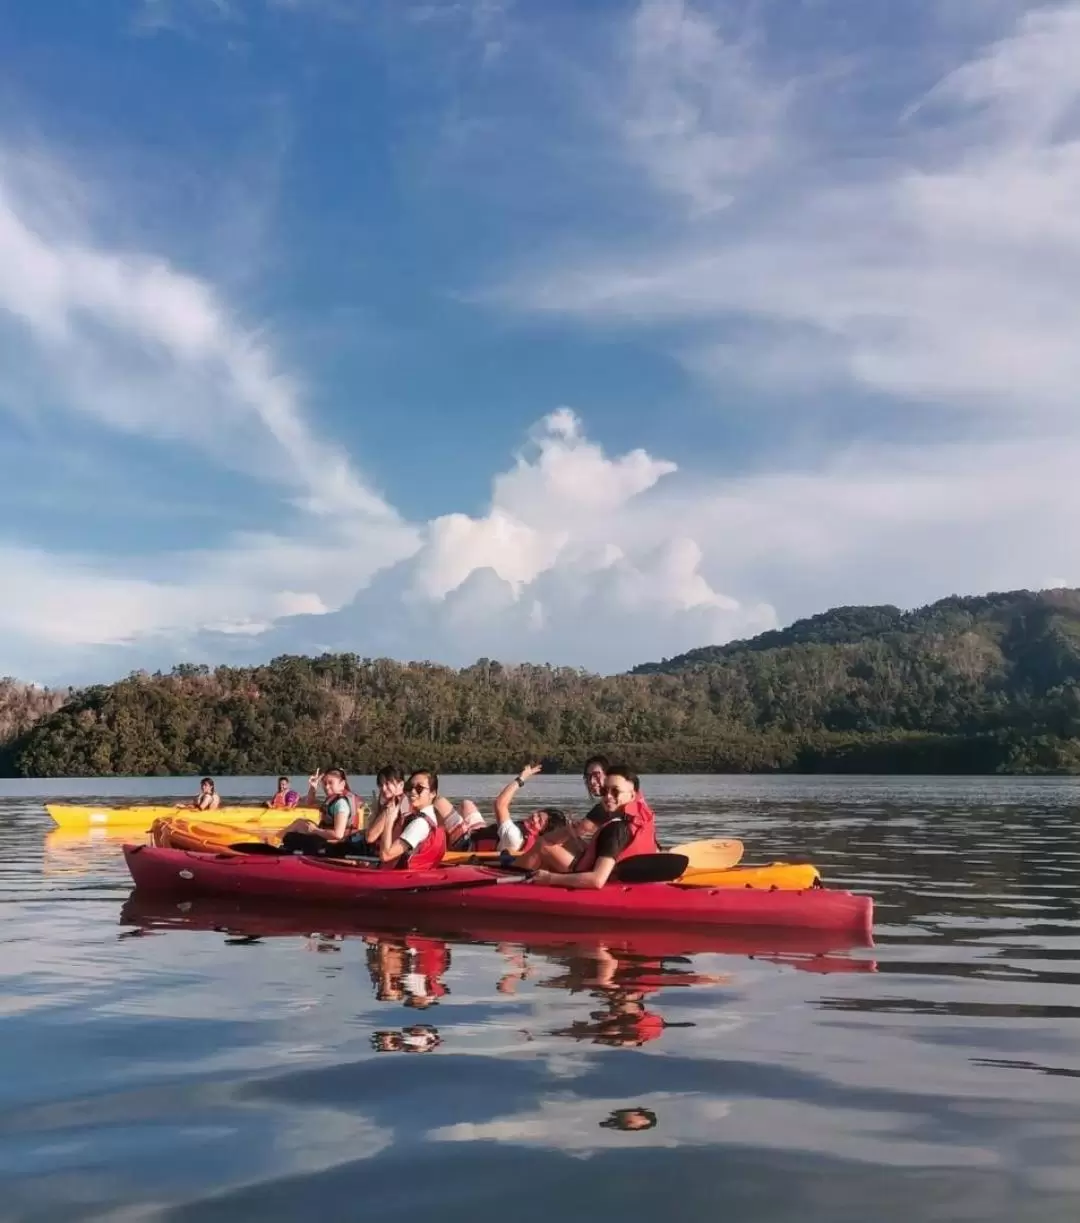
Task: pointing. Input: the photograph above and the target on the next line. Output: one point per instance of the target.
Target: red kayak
(478, 889)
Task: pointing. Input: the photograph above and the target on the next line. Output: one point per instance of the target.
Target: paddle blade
(711, 855)
(651, 868)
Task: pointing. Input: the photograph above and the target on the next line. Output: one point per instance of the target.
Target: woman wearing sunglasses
(627, 827)
(415, 840)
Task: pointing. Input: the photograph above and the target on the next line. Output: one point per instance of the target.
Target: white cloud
(147, 349)
(697, 114)
(942, 270)
(133, 345)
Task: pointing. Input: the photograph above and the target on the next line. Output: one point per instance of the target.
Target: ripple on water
(212, 1064)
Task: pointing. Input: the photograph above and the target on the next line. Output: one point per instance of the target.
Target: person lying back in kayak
(517, 836)
(342, 814)
(207, 799)
(627, 828)
(279, 798)
(416, 840)
(556, 848)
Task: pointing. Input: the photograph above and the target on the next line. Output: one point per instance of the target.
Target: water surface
(172, 1065)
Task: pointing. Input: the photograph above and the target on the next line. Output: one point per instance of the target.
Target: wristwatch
(520, 780)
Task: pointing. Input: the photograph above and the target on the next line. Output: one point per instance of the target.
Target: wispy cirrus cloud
(941, 270)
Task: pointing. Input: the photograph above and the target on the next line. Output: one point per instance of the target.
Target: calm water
(157, 1067)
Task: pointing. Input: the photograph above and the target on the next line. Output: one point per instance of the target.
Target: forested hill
(985, 684)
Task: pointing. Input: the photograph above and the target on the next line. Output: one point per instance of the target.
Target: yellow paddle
(710, 855)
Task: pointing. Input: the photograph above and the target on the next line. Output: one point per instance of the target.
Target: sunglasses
(417, 789)
(612, 792)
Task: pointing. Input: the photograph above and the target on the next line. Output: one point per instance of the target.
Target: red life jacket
(429, 853)
(639, 817)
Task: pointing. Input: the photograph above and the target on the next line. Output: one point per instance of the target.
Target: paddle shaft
(642, 868)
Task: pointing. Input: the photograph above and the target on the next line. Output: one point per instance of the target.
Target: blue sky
(550, 331)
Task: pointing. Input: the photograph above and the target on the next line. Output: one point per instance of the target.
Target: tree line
(967, 685)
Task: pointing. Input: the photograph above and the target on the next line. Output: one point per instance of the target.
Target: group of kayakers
(410, 824)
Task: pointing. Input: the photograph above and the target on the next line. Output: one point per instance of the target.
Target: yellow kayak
(139, 818)
(785, 876)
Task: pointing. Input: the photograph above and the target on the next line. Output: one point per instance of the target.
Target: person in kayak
(593, 773)
(279, 798)
(416, 840)
(392, 803)
(207, 799)
(517, 836)
(627, 828)
(342, 814)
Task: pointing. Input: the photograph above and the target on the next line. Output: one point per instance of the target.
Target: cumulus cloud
(578, 559)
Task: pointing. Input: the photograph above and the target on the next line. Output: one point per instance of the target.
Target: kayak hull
(140, 818)
(319, 881)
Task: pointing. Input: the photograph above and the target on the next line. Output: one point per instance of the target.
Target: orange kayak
(206, 836)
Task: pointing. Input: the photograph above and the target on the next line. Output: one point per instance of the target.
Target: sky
(526, 329)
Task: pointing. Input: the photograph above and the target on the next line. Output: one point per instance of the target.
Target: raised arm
(506, 795)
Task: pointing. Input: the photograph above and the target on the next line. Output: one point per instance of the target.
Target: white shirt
(418, 829)
(510, 837)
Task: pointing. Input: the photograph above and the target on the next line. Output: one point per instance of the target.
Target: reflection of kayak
(73, 853)
(204, 836)
(811, 950)
(334, 882)
(139, 818)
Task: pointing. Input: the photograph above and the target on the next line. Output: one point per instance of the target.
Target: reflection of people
(623, 1024)
(408, 970)
(629, 1119)
(419, 1038)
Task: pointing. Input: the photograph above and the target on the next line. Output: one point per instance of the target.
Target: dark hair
(556, 818)
(388, 772)
(339, 774)
(430, 774)
(281, 779)
(624, 770)
(602, 761)
(207, 781)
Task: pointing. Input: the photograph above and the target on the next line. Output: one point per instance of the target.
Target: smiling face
(617, 792)
(594, 780)
(334, 786)
(536, 822)
(390, 789)
(420, 790)
(206, 787)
